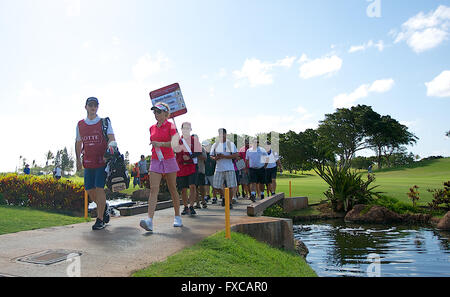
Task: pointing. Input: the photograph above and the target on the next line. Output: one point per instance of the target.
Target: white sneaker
(147, 224)
(177, 222)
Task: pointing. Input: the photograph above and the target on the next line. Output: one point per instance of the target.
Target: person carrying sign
(163, 137)
(92, 143)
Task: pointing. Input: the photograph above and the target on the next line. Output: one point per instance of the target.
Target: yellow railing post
(85, 205)
(227, 214)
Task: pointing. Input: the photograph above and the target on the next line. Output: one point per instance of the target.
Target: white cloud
(382, 86)
(258, 72)
(347, 100)
(369, 44)
(73, 8)
(439, 86)
(115, 40)
(300, 109)
(327, 65)
(148, 65)
(250, 125)
(423, 32)
(286, 62)
(222, 72)
(303, 58)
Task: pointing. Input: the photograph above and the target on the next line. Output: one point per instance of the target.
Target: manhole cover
(6, 275)
(49, 257)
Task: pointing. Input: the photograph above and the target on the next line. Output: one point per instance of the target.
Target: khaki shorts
(221, 177)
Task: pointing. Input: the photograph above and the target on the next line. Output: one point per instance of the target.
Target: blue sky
(249, 66)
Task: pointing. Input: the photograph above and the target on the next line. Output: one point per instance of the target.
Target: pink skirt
(164, 166)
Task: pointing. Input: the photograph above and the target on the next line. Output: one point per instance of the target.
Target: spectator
(136, 175)
(187, 161)
(273, 162)
(201, 179)
(57, 172)
(210, 168)
(256, 156)
(244, 172)
(27, 170)
(223, 152)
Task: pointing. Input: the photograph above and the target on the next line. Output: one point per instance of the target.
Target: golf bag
(117, 178)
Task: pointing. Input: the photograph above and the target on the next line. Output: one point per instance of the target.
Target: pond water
(337, 248)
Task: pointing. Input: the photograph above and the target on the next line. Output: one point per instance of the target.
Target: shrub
(347, 188)
(440, 197)
(395, 205)
(2, 200)
(43, 193)
(413, 194)
(275, 211)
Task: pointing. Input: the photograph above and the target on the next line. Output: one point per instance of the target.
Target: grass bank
(242, 256)
(15, 219)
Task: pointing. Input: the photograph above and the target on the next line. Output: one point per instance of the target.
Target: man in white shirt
(223, 152)
(273, 163)
(256, 157)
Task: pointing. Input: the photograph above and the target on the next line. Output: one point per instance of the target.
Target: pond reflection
(337, 248)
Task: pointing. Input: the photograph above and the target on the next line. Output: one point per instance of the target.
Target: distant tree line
(341, 135)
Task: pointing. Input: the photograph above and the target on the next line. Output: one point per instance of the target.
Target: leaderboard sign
(171, 95)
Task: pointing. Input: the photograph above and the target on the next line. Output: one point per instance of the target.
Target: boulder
(301, 248)
(444, 223)
(141, 195)
(376, 214)
(416, 218)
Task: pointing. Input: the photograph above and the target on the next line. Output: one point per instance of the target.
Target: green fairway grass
(240, 256)
(15, 219)
(393, 182)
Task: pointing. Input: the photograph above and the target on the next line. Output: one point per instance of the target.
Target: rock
(301, 248)
(113, 195)
(444, 223)
(141, 195)
(416, 218)
(376, 214)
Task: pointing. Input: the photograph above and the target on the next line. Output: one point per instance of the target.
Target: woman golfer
(162, 135)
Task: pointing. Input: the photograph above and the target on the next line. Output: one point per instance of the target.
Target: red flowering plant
(43, 193)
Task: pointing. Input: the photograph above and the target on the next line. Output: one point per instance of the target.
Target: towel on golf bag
(117, 178)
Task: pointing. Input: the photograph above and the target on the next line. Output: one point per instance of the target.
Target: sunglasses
(92, 104)
(157, 111)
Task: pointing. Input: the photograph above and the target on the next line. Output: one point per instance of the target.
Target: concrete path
(118, 250)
